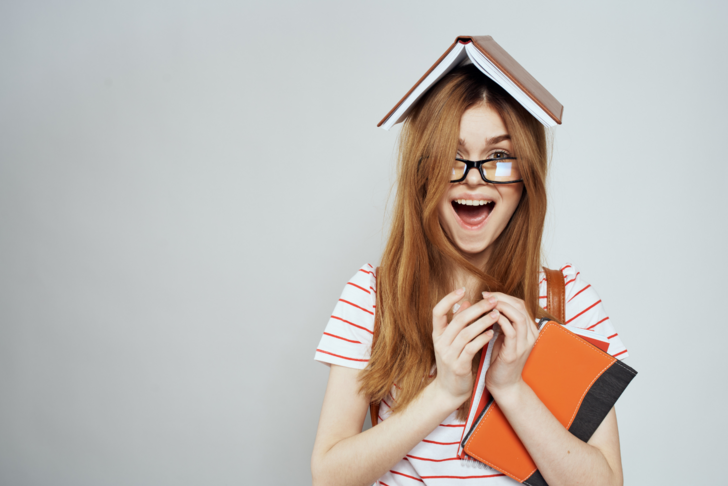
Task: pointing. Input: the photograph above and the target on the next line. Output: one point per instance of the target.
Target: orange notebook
(576, 380)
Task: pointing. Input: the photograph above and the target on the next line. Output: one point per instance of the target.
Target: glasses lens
(458, 169)
(504, 171)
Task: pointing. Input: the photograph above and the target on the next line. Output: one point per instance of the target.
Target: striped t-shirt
(347, 341)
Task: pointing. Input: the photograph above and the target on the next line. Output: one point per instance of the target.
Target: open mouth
(472, 213)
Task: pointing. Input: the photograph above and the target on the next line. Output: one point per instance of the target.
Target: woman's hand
(457, 342)
(512, 347)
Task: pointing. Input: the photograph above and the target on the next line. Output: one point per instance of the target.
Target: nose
(473, 178)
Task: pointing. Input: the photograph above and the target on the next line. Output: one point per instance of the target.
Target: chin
(473, 250)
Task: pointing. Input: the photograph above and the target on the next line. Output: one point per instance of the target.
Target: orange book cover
(576, 380)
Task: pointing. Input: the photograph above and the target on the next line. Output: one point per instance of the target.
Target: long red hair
(416, 267)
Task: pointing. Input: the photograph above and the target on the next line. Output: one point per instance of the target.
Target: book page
(494, 73)
(453, 58)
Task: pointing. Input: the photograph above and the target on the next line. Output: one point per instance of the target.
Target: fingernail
(455, 308)
(494, 314)
(460, 291)
(486, 295)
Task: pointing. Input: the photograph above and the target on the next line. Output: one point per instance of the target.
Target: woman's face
(473, 227)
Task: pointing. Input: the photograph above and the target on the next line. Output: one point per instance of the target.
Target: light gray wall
(186, 186)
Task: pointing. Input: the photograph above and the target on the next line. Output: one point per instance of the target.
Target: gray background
(186, 186)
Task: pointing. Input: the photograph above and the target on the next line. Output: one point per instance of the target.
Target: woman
(463, 255)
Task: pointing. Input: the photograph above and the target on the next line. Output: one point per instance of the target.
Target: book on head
(494, 62)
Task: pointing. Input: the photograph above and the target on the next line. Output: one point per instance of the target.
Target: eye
(500, 154)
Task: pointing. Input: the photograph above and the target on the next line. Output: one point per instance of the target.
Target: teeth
(471, 202)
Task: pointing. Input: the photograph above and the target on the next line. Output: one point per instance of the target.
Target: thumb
(439, 313)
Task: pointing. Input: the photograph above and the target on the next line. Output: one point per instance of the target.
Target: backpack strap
(556, 292)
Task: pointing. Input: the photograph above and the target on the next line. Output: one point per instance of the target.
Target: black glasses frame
(470, 164)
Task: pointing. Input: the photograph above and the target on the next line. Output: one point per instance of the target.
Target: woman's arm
(561, 458)
(343, 455)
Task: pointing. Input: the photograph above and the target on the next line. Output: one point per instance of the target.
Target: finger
(519, 321)
(465, 317)
(519, 305)
(460, 307)
(527, 324)
(439, 312)
(509, 346)
(514, 301)
(475, 345)
(473, 330)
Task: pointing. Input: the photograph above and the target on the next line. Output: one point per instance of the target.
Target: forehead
(480, 126)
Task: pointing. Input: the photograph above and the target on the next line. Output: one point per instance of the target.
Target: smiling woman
(464, 253)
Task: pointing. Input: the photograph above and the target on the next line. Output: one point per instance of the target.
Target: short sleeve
(585, 310)
(347, 339)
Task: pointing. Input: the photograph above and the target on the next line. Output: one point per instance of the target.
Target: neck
(463, 278)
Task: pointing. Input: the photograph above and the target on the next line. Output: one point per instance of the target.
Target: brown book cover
(497, 64)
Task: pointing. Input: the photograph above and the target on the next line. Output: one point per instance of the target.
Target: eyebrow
(489, 141)
(498, 139)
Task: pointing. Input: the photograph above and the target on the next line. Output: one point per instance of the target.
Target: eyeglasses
(503, 170)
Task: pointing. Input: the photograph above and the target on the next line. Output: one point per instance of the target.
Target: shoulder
(360, 292)
(348, 335)
(584, 307)
(365, 277)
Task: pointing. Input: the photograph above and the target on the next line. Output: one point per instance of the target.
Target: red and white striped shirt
(347, 341)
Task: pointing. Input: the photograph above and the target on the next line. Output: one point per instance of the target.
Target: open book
(495, 63)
